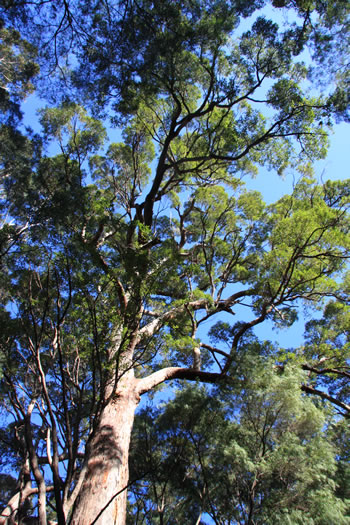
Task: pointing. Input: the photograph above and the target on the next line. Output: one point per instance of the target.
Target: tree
(17, 69)
(126, 254)
(268, 460)
(327, 354)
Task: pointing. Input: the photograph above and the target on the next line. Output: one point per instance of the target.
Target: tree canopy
(130, 263)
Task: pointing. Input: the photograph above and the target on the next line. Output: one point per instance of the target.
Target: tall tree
(130, 251)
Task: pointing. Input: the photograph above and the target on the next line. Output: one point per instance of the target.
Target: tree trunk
(107, 468)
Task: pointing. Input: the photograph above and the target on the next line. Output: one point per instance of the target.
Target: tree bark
(102, 498)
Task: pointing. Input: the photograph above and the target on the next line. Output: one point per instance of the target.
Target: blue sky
(336, 166)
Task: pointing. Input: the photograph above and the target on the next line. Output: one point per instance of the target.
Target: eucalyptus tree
(131, 250)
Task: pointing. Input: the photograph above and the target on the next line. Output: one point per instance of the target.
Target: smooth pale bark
(107, 466)
(34, 462)
(102, 498)
(8, 515)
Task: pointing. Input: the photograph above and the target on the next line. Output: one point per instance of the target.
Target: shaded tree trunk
(107, 467)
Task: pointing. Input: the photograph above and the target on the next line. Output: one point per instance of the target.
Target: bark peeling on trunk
(108, 471)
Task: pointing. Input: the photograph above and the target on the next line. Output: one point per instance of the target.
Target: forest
(147, 290)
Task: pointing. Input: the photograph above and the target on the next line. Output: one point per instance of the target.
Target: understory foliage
(254, 451)
(135, 255)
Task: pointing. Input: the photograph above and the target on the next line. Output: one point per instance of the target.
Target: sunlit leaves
(300, 235)
(77, 133)
(327, 350)
(124, 171)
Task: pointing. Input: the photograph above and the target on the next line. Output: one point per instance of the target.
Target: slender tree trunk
(107, 468)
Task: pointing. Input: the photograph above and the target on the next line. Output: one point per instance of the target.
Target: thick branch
(175, 372)
(33, 458)
(323, 371)
(246, 326)
(44, 460)
(214, 350)
(19, 497)
(151, 328)
(324, 395)
(161, 168)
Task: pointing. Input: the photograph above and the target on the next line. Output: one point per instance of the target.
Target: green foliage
(17, 69)
(268, 458)
(326, 352)
(83, 134)
(122, 260)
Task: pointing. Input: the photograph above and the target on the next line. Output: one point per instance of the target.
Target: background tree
(17, 69)
(252, 452)
(327, 353)
(131, 251)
